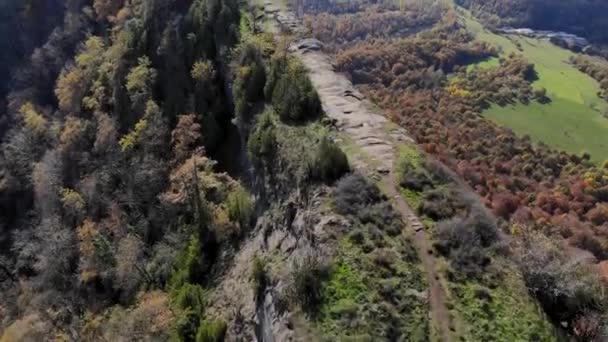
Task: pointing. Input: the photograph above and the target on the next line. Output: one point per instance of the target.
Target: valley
(574, 120)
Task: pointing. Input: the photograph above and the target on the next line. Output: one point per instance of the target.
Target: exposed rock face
(287, 232)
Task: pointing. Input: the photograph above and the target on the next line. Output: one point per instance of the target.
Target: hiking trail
(374, 137)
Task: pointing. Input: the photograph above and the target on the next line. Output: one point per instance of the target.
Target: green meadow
(573, 121)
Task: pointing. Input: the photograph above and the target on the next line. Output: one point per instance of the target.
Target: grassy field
(574, 120)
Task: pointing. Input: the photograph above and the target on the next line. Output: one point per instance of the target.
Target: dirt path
(439, 312)
(376, 139)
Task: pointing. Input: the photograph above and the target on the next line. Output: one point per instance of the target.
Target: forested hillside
(24, 26)
(112, 112)
(587, 18)
(205, 170)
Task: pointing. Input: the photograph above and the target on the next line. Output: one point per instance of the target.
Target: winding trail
(375, 138)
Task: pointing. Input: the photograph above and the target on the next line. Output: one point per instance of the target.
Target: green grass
(504, 313)
(412, 198)
(574, 120)
(354, 307)
(563, 124)
(410, 153)
(345, 286)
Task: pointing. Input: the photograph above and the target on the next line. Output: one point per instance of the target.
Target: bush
(259, 276)
(293, 96)
(565, 287)
(329, 163)
(240, 207)
(439, 173)
(467, 241)
(262, 143)
(356, 197)
(278, 67)
(189, 300)
(586, 240)
(190, 266)
(440, 204)
(307, 278)
(353, 193)
(412, 177)
(211, 331)
(505, 204)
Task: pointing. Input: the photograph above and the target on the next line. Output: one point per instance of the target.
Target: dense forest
(25, 26)
(586, 18)
(100, 161)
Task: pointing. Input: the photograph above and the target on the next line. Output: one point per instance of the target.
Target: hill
(586, 18)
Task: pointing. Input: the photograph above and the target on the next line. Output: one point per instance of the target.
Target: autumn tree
(106, 136)
(70, 90)
(73, 82)
(140, 81)
(96, 256)
(32, 119)
(106, 8)
(47, 180)
(130, 271)
(184, 136)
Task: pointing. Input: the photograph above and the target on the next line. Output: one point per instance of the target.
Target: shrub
(356, 197)
(540, 95)
(329, 163)
(467, 241)
(249, 82)
(259, 276)
(412, 177)
(505, 204)
(278, 67)
(586, 241)
(599, 214)
(440, 204)
(240, 207)
(190, 266)
(439, 172)
(565, 286)
(307, 276)
(262, 143)
(382, 215)
(354, 193)
(211, 331)
(189, 299)
(293, 96)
